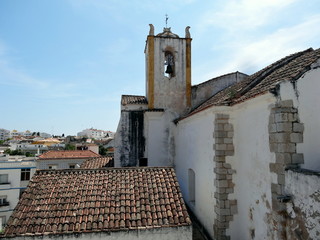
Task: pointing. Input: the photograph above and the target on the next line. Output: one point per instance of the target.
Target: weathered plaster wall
(121, 137)
(129, 139)
(194, 150)
(303, 212)
(306, 98)
(168, 233)
(251, 162)
(203, 91)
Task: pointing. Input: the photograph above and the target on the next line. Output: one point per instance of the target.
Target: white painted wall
(12, 190)
(61, 163)
(164, 233)
(305, 189)
(156, 135)
(251, 162)
(194, 150)
(307, 101)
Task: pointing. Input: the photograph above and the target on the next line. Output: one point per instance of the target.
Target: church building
(245, 148)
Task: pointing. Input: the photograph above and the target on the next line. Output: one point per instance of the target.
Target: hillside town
(22, 153)
(234, 157)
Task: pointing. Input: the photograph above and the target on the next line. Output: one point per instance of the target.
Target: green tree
(70, 147)
(7, 151)
(102, 151)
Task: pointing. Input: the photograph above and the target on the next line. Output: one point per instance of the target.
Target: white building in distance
(4, 134)
(95, 133)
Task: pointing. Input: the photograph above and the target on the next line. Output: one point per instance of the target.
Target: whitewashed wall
(304, 210)
(251, 162)
(306, 98)
(194, 150)
(165, 233)
(61, 163)
(156, 135)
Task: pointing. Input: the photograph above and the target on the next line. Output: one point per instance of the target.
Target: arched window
(192, 186)
(169, 67)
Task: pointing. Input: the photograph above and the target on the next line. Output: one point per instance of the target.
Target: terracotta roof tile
(133, 99)
(100, 162)
(289, 68)
(86, 200)
(69, 154)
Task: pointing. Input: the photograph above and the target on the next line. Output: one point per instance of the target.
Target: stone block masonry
(225, 208)
(285, 132)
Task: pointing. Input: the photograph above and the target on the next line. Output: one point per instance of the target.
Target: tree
(7, 151)
(102, 151)
(70, 147)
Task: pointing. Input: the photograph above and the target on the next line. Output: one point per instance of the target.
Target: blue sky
(65, 63)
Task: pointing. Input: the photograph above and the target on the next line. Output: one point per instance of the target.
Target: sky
(64, 64)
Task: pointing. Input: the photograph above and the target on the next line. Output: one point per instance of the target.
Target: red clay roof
(90, 200)
(100, 162)
(289, 68)
(68, 154)
(133, 99)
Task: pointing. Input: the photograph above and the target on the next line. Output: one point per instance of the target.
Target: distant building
(64, 159)
(16, 134)
(15, 173)
(127, 204)
(4, 134)
(88, 146)
(95, 133)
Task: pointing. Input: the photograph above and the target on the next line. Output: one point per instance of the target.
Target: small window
(4, 179)
(192, 186)
(52, 166)
(73, 165)
(25, 174)
(143, 162)
(3, 201)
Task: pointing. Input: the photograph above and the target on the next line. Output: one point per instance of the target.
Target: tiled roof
(100, 162)
(87, 200)
(289, 68)
(69, 154)
(132, 99)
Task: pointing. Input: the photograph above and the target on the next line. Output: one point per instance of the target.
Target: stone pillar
(285, 131)
(225, 207)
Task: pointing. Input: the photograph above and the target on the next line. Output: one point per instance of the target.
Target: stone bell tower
(168, 71)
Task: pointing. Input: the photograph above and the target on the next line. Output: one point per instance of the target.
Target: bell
(169, 69)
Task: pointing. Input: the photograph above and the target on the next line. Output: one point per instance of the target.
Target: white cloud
(244, 14)
(252, 56)
(13, 76)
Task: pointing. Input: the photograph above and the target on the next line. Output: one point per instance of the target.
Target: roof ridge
(99, 169)
(268, 70)
(218, 77)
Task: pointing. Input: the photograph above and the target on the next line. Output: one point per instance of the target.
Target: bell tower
(168, 71)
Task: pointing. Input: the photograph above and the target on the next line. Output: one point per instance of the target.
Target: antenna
(167, 20)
